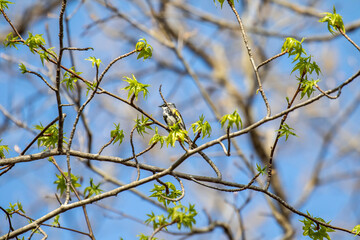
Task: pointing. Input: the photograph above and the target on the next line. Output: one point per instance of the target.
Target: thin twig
(9, 220)
(327, 95)
(278, 134)
(182, 192)
(229, 143)
(246, 42)
(42, 78)
(229, 190)
(91, 234)
(349, 39)
(270, 59)
(114, 61)
(78, 49)
(72, 134)
(41, 133)
(106, 144)
(58, 75)
(161, 227)
(134, 155)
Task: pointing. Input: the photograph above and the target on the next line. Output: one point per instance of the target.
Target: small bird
(172, 116)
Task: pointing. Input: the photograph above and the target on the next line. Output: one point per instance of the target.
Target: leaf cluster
(93, 189)
(293, 47)
(203, 127)
(286, 131)
(307, 87)
(135, 87)
(142, 124)
(316, 231)
(117, 134)
(22, 68)
(232, 119)
(50, 137)
(260, 169)
(2, 149)
(142, 236)
(56, 223)
(91, 86)
(44, 54)
(143, 49)
(176, 134)
(70, 79)
(94, 61)
(15, 208)
(61, 182)
(181, 215)
(334, 21)
(169, 191)
(222, 2)
(306, 65)
(157, 138)
(34, 42)
(4, 4)
(10, 40)
(356, 230)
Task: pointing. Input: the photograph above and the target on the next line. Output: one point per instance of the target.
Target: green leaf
(287, 100)
(222, 2)
(260, 169)
(50, 137)
(4, 3)
(94, 61)
(15, 207)
(232, 119)
(61, 182)
(307, 87)
(91, 86)
(135, 87)
(170, 191)
(70, 79)
(156, 220)
(334, 21)
(45, 54)
(143, 49)
(142, 124)
(93, 189)
(2, 149)
(10, 40)
(157, 138)
(293, 47)
(34, 42)
(56, 223)
(118, 134)
(202, 127)
(175, 134)
(316, 231)
(306, 65)
(183, 216)
(23, 68)
(285, 130)
(356, 230)
(141, 236)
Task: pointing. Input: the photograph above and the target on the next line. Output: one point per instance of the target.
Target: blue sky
(28, 99)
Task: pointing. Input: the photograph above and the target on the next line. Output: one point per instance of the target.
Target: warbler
(172, 116)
